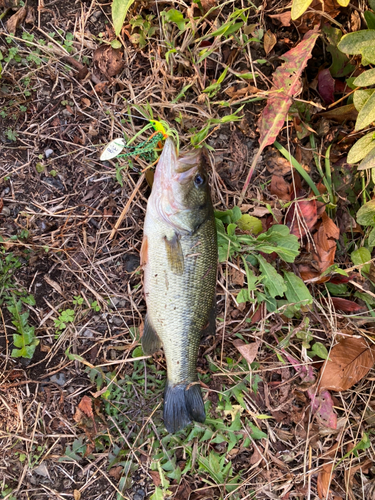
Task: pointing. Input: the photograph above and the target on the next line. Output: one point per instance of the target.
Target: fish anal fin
(174, 254)
(150, 340)
(144, 251)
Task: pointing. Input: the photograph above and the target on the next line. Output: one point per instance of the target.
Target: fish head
(180, 193)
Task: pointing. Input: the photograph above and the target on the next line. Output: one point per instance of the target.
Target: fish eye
(199, 180)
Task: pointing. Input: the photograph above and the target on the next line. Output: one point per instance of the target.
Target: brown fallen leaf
(280, 188)
(30, 16)
(109, 61)
(270, 41)
(248, 351)
(325, 477)
(85, 406)
(17, 18)
(155, 477)
(277, 164)
(341, 114)
(349, 361)
(284, 18)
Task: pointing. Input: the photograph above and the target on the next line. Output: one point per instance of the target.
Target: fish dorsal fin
(174, 254)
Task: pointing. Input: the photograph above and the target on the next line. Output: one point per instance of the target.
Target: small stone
(58, 378)
(48, 153)
(88, 333)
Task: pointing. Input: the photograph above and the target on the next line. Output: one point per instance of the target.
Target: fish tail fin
(182, 404)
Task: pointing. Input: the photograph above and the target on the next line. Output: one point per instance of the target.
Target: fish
(179, 257)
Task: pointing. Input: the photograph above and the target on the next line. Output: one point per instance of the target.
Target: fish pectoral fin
(150, 339)
(174, 254)
(144, 251)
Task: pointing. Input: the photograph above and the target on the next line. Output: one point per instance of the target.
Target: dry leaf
(349, 361)
(341, 114)
(30, 16)
(155, 477)
(109, 61)
(77, 495)
(277, 164)
(248, 351)
(325, 477)
(16, 20)
(280, 188)
(85, 406)
(270, 41)
(284, 18)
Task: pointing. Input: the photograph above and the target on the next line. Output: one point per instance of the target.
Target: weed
(267, 284)
(14, 298)
(65, 317)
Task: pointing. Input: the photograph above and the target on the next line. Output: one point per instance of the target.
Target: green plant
(14, 297)
(145, 30)
(66, 316)
(267, 283)
(362, 43)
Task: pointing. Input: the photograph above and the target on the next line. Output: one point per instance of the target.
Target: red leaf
(302, 217)
(287, 83)
(346, 305)
(322, 408)
(326, 86)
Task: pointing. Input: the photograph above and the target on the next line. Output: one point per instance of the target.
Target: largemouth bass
(179, 255)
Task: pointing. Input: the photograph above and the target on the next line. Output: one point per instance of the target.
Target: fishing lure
(146, 149)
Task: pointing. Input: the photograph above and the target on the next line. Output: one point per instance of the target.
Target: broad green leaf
(296, 292)
(320, 350)
(365, 79)
(361, 148)
(256, 433)
(270, 302)
(340, 62)
(370, 19)
(226, 29)
(367, 113)
(278, 239)
(361, 256)
(360, 42)
(299, 7)
(368, 161)
(243, 296)
(116, 44)
(249, 223)
(371, 238)
(157, 495)
(175, 16)
(360, 98)
(366, 214)
(273, 282)
(119, 10)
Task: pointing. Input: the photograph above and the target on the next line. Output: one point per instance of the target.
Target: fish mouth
(172, 173)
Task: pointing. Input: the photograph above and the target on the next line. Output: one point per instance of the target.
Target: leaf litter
(260, 373)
